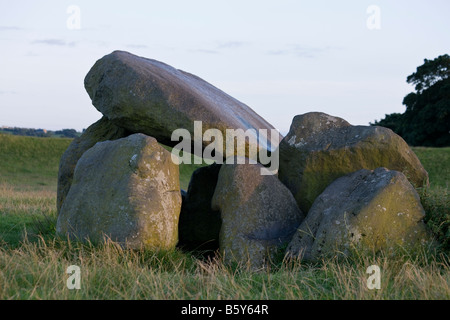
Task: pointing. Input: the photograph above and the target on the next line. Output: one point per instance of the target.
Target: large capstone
(151, 97)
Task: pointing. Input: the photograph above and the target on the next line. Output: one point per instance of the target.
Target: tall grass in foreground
(436, 202)
(20, 210)
(36, 270)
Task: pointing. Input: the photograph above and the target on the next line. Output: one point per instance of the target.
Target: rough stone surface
(320, 148)
(199, 225)
(127, 190)
(259, 214)
(150, 97)
(374, 210)
(102, 130)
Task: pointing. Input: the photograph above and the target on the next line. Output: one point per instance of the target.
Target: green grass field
(33, 261)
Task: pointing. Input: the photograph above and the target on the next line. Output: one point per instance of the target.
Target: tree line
(426, 120)
(64, 133)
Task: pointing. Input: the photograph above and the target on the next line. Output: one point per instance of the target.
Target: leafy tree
(392, 121)
(431, 72)
(426, 121)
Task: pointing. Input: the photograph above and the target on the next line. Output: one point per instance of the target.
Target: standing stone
(373, 210)
(320, 148)
(151, 97)
(200, 225)
(102, 130)
(259, 214)
(127, 190)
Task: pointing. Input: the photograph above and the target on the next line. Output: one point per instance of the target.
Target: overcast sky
(282, 58)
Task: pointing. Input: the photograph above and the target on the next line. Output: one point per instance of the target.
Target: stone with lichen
(259, 214)
(102, 130)
(370, 210)
(320, 148)
(127, 190)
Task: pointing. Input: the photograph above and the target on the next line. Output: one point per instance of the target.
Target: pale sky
(282, 58)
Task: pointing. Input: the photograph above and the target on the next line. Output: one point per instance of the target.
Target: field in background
(437, 163)
(33, 262)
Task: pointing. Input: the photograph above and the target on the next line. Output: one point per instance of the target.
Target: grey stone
(320, 148)
(369, 210)
(259, 214)
(102, 130)
(151, 97)
(127, 190)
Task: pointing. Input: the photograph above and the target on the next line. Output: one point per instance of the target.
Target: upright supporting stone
(259, 214)
(127, 190)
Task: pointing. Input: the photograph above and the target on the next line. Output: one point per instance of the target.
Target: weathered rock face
(320, 148)
(150, 97)
(128, 190)
(368, 209)
(258, 212)
(102, 130)
(199, 225)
